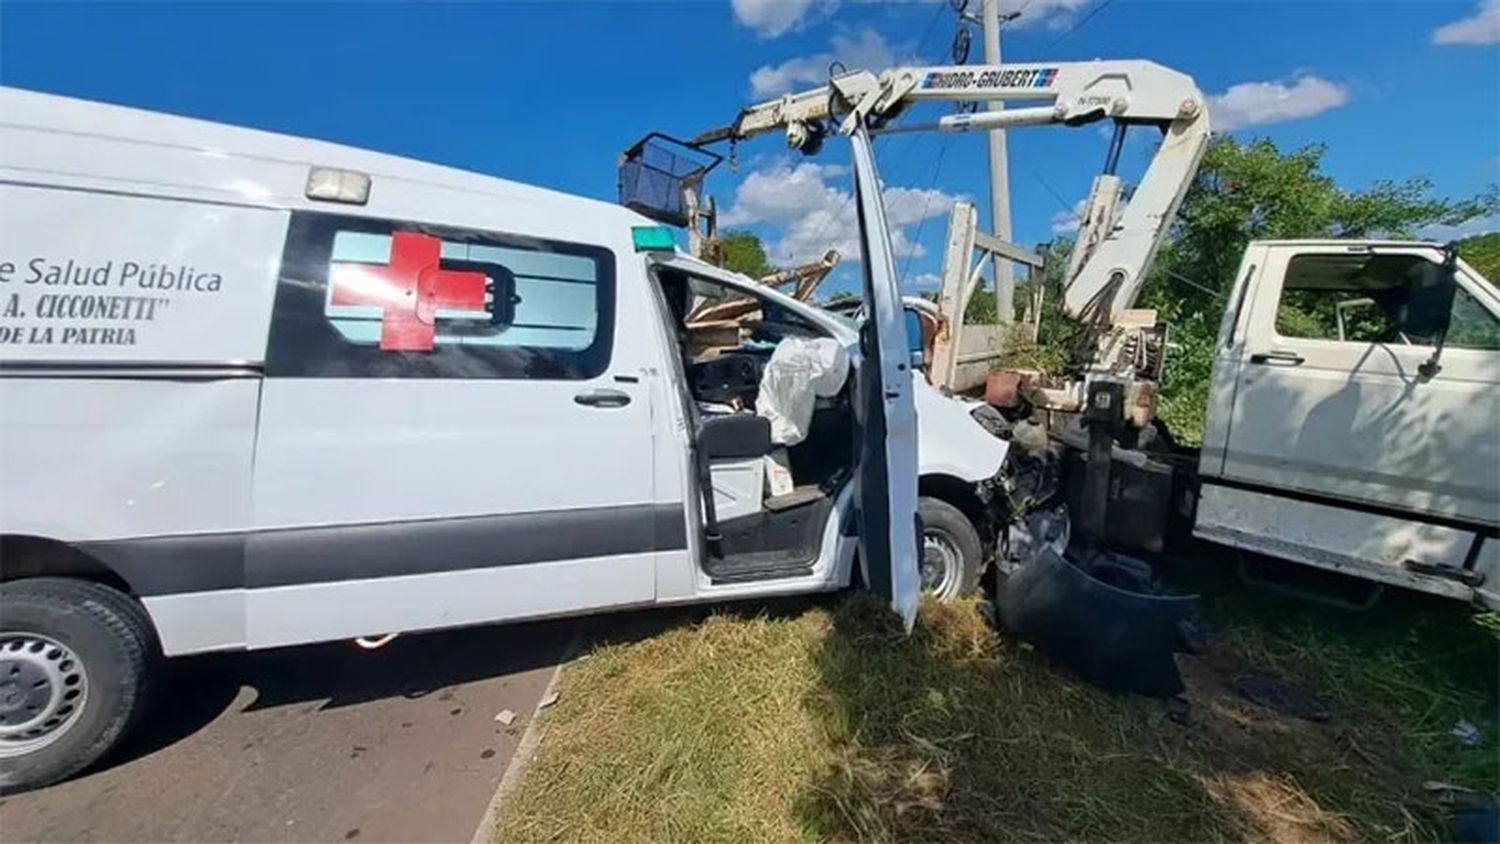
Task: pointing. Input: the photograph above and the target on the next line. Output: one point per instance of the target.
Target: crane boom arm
(1117, 240)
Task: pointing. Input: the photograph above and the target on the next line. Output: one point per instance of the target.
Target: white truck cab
(1352, 415)
(260, 391)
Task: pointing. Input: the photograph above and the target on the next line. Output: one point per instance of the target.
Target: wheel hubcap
(42, 690)
(940, 563)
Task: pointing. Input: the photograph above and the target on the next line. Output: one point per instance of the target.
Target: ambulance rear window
(532, 298)
(422, 301)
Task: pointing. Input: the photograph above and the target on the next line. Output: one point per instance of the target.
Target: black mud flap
(1116, 639)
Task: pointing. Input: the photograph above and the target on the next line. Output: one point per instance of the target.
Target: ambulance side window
(359, 297)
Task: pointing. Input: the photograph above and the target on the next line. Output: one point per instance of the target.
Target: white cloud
(865, 50)
(1483, 27)
(1067, 222)
(869, 50)
(1054, 14)
(905, 206)
(770, 18)
(781, 192)
(1258, 103)
(813, 216)
(924, 282)
(1443, 233)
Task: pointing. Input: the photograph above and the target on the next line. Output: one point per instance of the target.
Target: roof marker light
(333, 185)
(653, 239)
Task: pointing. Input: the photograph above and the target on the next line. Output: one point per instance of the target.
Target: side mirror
(734, 437)
(1432, 309)
(918, 359)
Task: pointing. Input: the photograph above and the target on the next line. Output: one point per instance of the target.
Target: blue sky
(549, 93)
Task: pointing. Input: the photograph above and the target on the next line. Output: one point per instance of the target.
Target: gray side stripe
(174, 564)
(166, 565)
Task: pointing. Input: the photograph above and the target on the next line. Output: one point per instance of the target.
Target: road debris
(547, 700)
(505, 716)
(1467, 733)
(1434, 785)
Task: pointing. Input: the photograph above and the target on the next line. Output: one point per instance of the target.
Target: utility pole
(1005, 288)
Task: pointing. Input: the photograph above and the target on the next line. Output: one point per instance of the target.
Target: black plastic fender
(1116, 639)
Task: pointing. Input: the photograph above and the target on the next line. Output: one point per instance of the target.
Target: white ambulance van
(257, 390)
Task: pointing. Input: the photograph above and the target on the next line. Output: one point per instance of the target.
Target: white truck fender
(950, 441)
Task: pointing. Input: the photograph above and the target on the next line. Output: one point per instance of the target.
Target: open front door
(889, 536)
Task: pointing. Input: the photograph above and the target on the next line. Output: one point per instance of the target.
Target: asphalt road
(323, 743)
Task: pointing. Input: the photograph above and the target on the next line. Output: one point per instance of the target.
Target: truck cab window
(1379, 298)
(1473, 327)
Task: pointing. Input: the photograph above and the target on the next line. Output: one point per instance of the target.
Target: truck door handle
(1277, 358)
(603, 398)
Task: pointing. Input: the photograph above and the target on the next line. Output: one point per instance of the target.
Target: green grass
(826, 723)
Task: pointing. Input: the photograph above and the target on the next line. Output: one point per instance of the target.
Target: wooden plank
(1007, 250)
(951, 295)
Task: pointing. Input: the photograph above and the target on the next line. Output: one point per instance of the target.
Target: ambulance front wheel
(74, 657)
(952, 553)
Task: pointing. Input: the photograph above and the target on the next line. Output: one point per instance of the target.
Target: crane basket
(656, 171)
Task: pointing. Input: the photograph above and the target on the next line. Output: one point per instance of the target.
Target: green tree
(1061, 341)
(1483, 254)
(981, 307)
(743, 252)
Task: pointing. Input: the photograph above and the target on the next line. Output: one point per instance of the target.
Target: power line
(937, 167)
(1085, 19)
(1217, 294)
(927, 33)
(1055, 195)
(911, 142)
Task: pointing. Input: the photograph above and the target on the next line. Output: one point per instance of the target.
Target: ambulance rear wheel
(74, 656)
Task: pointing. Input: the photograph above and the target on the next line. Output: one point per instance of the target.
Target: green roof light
(653, 239)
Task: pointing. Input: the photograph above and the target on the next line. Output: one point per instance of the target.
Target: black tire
(110, 640)
(949, 542)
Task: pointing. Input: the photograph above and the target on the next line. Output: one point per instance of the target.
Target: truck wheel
(73, 663)
(952, 555)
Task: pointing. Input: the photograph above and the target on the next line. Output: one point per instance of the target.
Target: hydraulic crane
(1118, 235)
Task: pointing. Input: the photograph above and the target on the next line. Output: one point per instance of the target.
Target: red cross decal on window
(409, 290)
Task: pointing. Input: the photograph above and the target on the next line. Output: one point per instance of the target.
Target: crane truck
(1355, 383)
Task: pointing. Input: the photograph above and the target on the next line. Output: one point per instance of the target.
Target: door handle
(1277, 358)
(603, 398)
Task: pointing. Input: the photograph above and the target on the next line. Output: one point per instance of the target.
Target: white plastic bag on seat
(800, 370)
